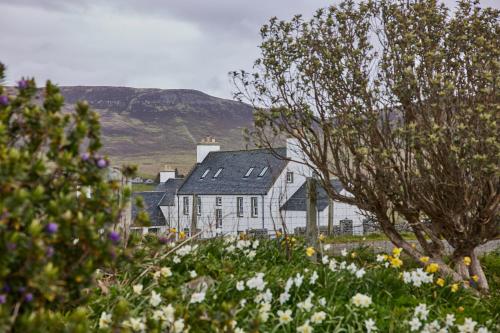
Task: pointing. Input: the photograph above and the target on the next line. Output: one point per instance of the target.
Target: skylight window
(249, 172)
(218, 172)
(263, 172)
(205, 173)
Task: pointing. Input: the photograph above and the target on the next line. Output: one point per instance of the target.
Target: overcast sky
(139, 43)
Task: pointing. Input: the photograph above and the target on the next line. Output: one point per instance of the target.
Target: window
(205, 173)
(198, 205)
(185, 205)
(289, 177)
(255, 206)
(218, 201)
(218, 218)
(249, 172)
(239, 206)
(263, 172)
(218, 172)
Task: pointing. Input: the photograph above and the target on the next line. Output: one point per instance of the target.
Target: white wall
(203, 149)
(166, 175)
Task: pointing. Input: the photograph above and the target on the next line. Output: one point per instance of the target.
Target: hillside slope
(151, 127)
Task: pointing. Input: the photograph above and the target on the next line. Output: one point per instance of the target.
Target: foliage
(56, 203)
(214, 286)
(399, 100)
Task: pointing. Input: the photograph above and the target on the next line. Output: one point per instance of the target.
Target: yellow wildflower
(182, 235)
(396, 252)
(353, 255)
(396, 262)
(475, 278)
(467, 261)
(454, 287)
(321, 237)
(278, 234)
(173, 230)
(424, 259)
(440, 282)
(460, 309)
(413, 245)
(432, 268)
(310, 251)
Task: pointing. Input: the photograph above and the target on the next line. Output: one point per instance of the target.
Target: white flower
(370, 325)
(298, 280)
(361, 300)
(230, 248)
(197, 297)
(468, 326)
(421, 311)
(482, 330)
(285, 316)
(332, 265)
(193, 274)
(352, 268)
(314, 277)
(344, 253)
(386, 264)
(243, 302)
(343, 265)
(179, 325)
(322, 301)
(165, 272)
(264, 311)
(257, 282)
(450, 319)
(318, 317)
(239, 330)
(137, 288)
(240, 285)
(407, 277)
(255, 244)
(325, 260)
(360, 272)
(176, 259)
(155, 298)
(104, 320)
(306, 305)
(327, 247)
(432, 327)
(166, 313)
(251, 254)
(156, 275)
(414, 324)
(380, 258)
(306, 328)
(284, 297)
(136, 324)
(289, 284)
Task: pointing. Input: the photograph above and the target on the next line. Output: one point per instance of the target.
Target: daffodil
(424, 259)
(467, 261)
(454, 287)
(396, 262)
(182, 235)
(475, 278)
(432, 268)
(310, 251)
(396, 252)
(440, 282)
(321, 237)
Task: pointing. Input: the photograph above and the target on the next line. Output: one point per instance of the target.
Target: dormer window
(263, 172)
(205, 173)
(249, 172)
(218, 172)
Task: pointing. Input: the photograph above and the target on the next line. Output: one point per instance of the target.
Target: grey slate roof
(298, 200)
(151, 200)
(231, 180)
(169, 189)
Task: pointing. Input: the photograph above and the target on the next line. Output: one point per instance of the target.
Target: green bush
(57, 205)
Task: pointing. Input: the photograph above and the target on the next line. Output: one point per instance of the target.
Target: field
(234, 285)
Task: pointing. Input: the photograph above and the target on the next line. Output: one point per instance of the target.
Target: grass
(143, 187)
(364, 238)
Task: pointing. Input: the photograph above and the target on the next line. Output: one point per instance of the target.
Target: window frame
(218, 201)
(254, 203)
(217, 173)
(289, 177)
(218, 218)
(239, 206)
(204, 175)
(185, 205)
(198, 205)
(263, 172)
(249, 172)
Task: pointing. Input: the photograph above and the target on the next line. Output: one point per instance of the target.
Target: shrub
(56, 202)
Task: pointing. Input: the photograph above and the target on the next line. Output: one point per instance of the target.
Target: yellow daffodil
(467, 261)
(321, 237)
(396, 262)
(475, 278)
(310, 251)
(440, 282)
(424, 259)
(396, 252)
(454, 287)
(182, 235)
(173, 230)
(353, 255)
(432, 268)
(278, 234)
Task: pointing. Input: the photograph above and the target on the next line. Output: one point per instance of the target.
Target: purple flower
(11, 246)
(49, 252)
(28, 297)
(163, 240)
(4, 100)
(101, 163)
(3, 298)
(85, 156)
(22, 84)
(51, 228)
(114, 236)
(6, 288)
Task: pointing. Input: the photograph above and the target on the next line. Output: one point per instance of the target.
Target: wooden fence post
(330, 217)
(311, 214)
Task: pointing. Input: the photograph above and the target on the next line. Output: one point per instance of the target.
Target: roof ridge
(243, 150)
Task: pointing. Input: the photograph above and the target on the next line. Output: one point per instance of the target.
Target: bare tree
(399, 100)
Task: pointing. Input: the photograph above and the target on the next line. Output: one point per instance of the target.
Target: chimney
(167, 173)
(207, 145)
